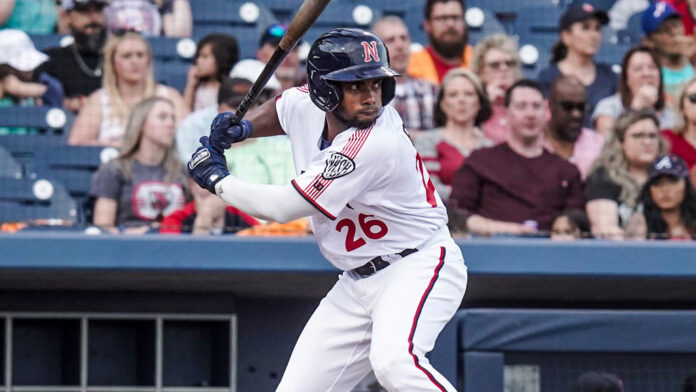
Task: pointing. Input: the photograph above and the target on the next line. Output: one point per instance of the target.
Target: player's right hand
(226, 129)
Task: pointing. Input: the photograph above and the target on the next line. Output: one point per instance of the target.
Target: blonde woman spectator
(146, 182)
(460, 108)
(497, 64)
(640, 87)
(683, 138)
(128, 78)
(171, 18)
(618, 174)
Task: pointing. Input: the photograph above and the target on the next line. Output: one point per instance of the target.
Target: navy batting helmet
(347, 55)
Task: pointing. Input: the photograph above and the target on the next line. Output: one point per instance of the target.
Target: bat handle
(253, 94)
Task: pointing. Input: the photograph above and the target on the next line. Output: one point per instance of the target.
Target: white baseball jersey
(372, 193)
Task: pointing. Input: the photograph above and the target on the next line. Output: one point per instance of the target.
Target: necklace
(96, 72)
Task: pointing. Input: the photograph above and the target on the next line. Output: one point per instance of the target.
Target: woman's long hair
(134, 134)
(225, 51)
(110, 81)
(683, 122)
(613, 160)
(656, 225)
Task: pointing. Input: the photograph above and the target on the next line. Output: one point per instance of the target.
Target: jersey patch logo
(370, 51)
(338, 165)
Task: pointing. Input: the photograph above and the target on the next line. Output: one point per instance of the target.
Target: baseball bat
(304, 18)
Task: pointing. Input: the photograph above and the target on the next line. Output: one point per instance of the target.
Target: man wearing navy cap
(289, 70)
(664, 33)
(78, 66)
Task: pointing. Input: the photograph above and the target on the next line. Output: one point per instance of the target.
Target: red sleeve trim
(311, 201)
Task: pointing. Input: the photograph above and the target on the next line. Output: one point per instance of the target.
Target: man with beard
(79, 66)
(446, 28)
(414, 98)
(664, 33)
(565, 134)
(516, 187)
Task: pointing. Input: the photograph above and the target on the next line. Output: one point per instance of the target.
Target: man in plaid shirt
(414, 98)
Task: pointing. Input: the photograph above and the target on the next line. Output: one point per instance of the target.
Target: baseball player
(374, 212)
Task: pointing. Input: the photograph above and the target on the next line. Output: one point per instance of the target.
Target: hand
(226, 129)
(645, 97)
(496, 93)
(207, 166)
(192, 77)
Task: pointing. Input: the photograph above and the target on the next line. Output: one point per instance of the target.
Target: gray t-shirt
(613, 107)
(142, 199)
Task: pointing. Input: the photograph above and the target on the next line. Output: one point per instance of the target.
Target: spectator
(146, 182)
(640, 87)
(669, 202)
(205, 214)
(570, 225)
(30, 16)
(461, 107)
(20, 81)
(573, 54)
(289, 73)
(413, 98)
(448, 36)
(664, 33)
(171, 18)
(620, 171)
(128, 78)
(215, 56)
(598, 382)
(497, 64)
(516, 187)
(682, 140)
(79, 66)
(565, 134)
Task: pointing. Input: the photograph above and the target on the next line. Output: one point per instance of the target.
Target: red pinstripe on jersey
(304, 88)
(436, 274)
(319, 184)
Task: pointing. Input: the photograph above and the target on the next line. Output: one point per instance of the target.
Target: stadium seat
(537, 21)
(39, 201)
(508, 11)
(46, 41)
(172, 73)
(172, 49)
(9, 167)
(482, 25)
(338, 14)
(46, 120)
(598, 4)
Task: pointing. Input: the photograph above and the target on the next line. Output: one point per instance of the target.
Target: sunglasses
(569, 106)
(692, 97)
(497, 65)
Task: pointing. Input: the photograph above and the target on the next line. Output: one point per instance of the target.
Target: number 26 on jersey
(373, 229)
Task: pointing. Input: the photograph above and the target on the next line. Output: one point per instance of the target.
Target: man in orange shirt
(446, 28)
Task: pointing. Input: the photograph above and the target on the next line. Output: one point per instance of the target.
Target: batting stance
(374, 212)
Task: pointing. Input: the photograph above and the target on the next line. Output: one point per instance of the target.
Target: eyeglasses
(497, 65)
(445, 18)
(649, 136)
(692, 97)
(569, 106)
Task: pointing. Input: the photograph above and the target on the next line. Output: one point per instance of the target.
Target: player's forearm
(265, 120)
(268, 202)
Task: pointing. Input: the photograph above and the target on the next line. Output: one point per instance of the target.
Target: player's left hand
(207, 166)
(226, 129)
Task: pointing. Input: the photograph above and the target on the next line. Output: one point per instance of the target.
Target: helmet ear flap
(337, 92)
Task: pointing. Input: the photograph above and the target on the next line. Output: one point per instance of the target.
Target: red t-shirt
(440, 66)
(681, 147)
(687, 19)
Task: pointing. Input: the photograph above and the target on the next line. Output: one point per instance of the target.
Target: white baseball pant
(387, 321)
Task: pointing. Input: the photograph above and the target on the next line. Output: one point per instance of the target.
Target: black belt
(379, 263)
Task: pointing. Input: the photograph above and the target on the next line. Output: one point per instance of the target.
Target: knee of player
(389, 363)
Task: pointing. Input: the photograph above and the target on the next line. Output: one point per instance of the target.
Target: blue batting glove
(207, 166)
(226, 129)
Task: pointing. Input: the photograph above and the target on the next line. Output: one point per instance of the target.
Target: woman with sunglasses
(460, 109)
(683, 138)
(620, 171)
(127, 79)
(640, 87)
(574, 54)
(496, 62)
(669, 203)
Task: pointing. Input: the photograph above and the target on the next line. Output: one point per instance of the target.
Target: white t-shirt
(372, 192)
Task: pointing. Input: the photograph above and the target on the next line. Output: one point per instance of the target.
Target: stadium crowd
(578, 150)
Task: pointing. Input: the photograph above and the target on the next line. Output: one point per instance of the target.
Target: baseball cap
(598, 381)
(69, 5)
(655, 14)
(17, 51)
(272, 35)
(668, 165)
(250, 69)
(582, 12)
